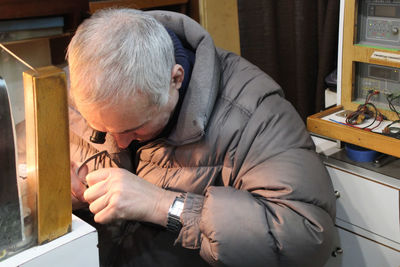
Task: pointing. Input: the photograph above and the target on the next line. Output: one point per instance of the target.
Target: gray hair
(119, 52)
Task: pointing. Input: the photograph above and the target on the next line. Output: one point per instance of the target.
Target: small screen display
(385, 11)
(384, 73)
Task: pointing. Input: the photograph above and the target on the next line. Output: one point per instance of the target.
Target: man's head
(124, 79)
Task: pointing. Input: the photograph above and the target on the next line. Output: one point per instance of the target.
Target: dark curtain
(295, 42)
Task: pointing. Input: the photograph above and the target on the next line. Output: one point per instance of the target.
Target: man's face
(132, 119)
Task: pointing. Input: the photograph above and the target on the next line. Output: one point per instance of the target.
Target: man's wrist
(164, 202)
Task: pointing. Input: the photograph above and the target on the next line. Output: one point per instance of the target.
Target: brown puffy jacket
(259, 194)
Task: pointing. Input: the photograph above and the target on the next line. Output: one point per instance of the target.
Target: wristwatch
(174, 214)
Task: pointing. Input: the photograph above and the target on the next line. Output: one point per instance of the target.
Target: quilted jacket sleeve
(280, 207)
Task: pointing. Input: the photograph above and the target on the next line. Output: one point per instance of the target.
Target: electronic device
(379, 22)
(378, 26)
(371, 55)
(384, 79)
(368, 83)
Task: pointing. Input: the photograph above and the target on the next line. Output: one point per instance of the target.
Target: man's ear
(177, 75)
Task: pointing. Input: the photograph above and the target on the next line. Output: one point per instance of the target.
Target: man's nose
(123, 140)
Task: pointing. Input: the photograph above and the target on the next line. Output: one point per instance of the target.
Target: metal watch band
(174, 214)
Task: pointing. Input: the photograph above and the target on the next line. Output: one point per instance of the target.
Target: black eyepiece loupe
(98, 137)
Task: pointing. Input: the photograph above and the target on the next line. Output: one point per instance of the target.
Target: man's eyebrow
(132, 129)
(125, 131)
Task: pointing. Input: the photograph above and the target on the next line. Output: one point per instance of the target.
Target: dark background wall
(295, 42)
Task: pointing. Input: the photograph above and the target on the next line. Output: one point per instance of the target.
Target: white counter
(77, 248)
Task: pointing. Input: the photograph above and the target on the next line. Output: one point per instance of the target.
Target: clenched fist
(116, 193)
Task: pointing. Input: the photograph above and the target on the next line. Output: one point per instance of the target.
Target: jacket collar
(203, 87)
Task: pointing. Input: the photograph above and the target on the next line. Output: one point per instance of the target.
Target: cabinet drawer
(361, 252)
(367, 204)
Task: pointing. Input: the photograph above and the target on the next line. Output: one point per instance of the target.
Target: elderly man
(209, 150)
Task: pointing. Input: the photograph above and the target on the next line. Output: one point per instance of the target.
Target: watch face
(174, 224)
(177, 207)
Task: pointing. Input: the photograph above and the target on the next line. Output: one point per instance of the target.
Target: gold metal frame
(47, 142)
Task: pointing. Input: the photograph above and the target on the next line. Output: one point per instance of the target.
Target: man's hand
(78, 186)
(119, 194)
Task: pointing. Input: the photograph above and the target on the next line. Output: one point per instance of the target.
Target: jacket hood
(204, 83)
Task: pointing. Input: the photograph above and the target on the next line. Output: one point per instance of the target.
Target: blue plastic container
(360, 154)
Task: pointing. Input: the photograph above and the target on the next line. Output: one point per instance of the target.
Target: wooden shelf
(137, 4)
(73, 11)
(375, 141)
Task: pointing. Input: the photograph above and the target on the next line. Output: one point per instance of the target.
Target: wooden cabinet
(174, 5)
(360, 56)
(219, 18)
(72, 10)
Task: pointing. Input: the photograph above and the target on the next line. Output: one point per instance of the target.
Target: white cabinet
(367, 213)
(357, 251)
(367, 204)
